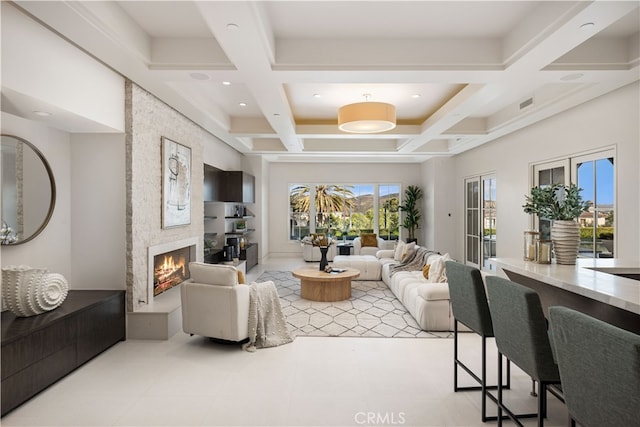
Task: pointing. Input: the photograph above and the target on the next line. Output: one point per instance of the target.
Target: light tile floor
(314, 381)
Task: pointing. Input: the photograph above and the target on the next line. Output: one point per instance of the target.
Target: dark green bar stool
(469, 305)
(599, 367)
(520, 329)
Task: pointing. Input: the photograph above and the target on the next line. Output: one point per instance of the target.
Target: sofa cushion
(434, 291)
(385, 253)
(213, 274)
(369, 239)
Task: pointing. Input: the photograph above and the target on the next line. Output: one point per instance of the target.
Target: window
(299, 211)
(344, 210)
(595, 174)
(480, 224)
(388, 212)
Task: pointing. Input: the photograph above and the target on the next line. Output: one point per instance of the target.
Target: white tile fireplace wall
(147, 120)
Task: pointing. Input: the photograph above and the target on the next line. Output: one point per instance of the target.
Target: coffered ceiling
(268, 77)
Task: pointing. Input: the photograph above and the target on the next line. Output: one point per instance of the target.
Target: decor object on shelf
(7, 235)
(412, 218)
(29, 291)
(176, 184)
(367, 117)
(530, 237)
(562, 204)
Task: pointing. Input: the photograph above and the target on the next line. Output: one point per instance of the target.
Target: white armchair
(214, 304)
(358, 249)
(312, 253)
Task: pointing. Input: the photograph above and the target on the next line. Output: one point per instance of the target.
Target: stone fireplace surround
(161, 317)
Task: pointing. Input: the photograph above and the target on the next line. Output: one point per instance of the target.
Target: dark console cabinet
(37, 351)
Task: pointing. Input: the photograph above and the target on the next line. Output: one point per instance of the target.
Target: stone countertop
(584, 278)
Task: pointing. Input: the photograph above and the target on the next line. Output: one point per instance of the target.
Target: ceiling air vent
(526, 103)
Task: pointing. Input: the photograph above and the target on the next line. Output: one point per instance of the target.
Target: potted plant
(561, 204)
(412, 217)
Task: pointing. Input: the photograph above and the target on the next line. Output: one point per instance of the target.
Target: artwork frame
(176, 184)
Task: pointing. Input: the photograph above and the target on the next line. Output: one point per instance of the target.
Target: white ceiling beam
(239, 28)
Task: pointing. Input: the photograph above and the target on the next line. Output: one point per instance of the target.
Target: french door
(480, 224)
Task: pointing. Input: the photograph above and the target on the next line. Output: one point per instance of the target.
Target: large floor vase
(565, 235)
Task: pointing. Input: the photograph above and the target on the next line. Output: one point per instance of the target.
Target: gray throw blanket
(415, 263)
(267, 325)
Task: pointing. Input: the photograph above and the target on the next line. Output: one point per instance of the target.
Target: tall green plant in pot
(563, 205)
(412, 194)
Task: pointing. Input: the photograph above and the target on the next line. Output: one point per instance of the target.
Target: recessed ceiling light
(42, 113)
(231, 26)
(317, 95)
(199, 76)
(416, 95)
(569, 77)
(226, 83)
(243, 104)
(587, 25)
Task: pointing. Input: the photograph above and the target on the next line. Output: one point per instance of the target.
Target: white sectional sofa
(426, 299)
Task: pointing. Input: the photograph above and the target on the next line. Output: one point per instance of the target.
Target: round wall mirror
(28, 191)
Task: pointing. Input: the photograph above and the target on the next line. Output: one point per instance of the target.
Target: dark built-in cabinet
(228, 186)
(250, 254)
(37, 351)
(236, 186)
(226, 194)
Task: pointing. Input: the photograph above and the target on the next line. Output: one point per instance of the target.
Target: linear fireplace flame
(158, 289)
(170, 269)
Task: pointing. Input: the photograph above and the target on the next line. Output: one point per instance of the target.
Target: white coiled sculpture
(29, 291)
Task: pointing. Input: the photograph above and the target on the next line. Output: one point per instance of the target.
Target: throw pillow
(241, 278)
(397, 255)
(369, 239)
(408, 252)
(425, 270)
(437, 272)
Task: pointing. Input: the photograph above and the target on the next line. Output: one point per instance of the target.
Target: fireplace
(170, 269)
(168, 266)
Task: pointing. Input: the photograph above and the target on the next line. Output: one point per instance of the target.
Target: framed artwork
(176, 184)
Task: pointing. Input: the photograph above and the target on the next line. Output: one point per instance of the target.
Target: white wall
(439, 210)
(283, 174)
(610, 120)
(42, 67)
(52, 248)
(98, 214)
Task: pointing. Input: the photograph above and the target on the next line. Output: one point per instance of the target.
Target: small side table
(344, 248)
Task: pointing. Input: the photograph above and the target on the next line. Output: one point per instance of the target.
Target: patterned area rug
(372, 311)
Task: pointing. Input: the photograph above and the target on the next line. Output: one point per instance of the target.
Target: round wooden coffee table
(316, 285)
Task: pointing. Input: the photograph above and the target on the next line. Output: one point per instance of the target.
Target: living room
(103, 143)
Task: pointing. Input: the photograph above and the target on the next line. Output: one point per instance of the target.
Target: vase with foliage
(562, 204)
(412, 195)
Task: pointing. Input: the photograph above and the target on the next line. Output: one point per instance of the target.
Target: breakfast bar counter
(606, 288)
